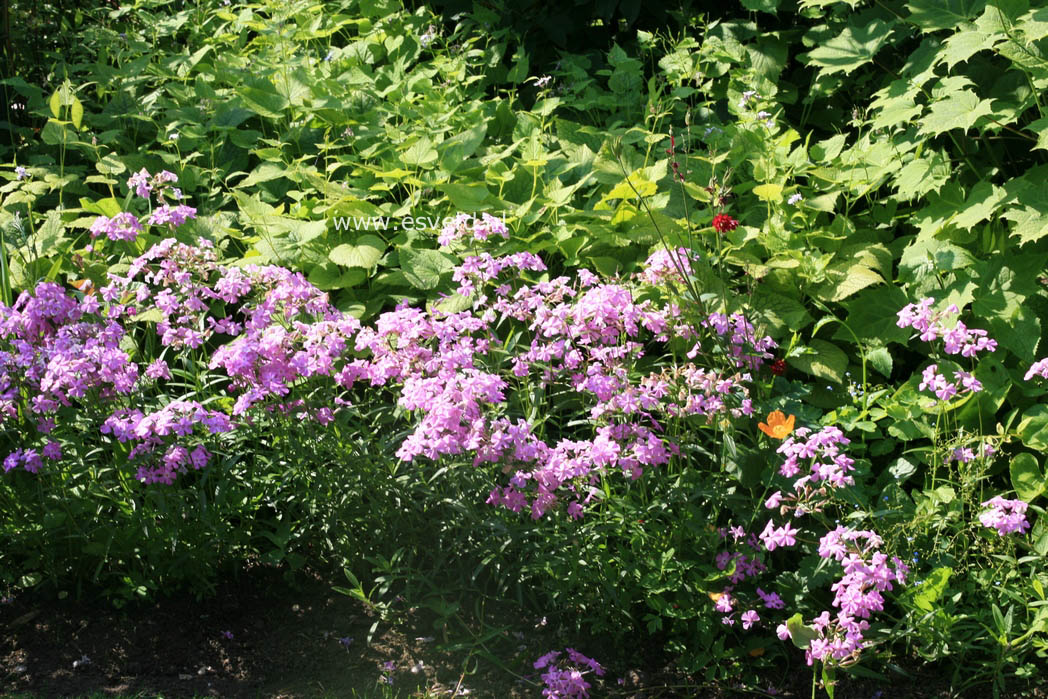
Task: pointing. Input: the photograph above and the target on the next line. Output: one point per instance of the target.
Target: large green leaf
(933, 15)
(423, 268)
(853, 47)
(932, 588)
(825, 361)
(1027, 479)
(958, 110)
(1033, 428)
(365, 253)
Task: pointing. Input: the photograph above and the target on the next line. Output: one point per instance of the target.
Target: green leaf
(827, 361)
(826, 151)
(934, 15)
(801, 635)
(921, 175)
(881, 360)
(853, 47)
(467, 198)
(365, 253)
(76, 113)
(419, 153)
(768, 192)
(1030, 216)
(964, 44)
(1033, 428)
(769, 6)
(958, 110)
(55, 103)
(932, 588)
(54, 133)
(854, 278)
(980, 205)
(1027, 479)
(895, 104)
(455, 150)
(423, 268)
(1040, 127)
(261, 97)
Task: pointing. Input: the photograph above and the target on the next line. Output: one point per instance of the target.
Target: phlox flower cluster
(1006, 516)
(828, 468)
(858, 594)
(127, 226)
(123, 226)
(566, 677)
(1038, 368)
(958, 339)
(743, 344)
(665, 265)
(55, 353)
(945, 389)
(164, 432)
(743, 566)
(144, 184)
(468, 225)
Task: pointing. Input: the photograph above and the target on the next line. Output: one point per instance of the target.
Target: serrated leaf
(768, 192)
(922, 175)
(853, 47)
(959, 110)
(855, 278)
(423, 268)
(895, 104)
(934, 15)
(1039, 127)
(980, 205)
(881, 360)
(365, 253)
(1030, 216)
(828, 361)
(1027, 479)
(964, 44)
(419, 153)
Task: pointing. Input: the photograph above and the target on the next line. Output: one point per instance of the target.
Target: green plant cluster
(873, 153)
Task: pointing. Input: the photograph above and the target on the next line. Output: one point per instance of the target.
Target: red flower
(722, 223)
(778, 367)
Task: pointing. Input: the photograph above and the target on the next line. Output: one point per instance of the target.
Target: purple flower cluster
(479, 229)
(123, 226)
(829, 468)
(155, 432)
(1038, 368)
(743, 344)
(56, 353)
(1006, 516)
(173, 216)
(664, 266)
(867, 574)
(143, 183)
(945, 389)
(958, 339)
(566, 678)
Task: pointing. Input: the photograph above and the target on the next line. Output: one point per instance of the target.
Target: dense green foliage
(873, 154)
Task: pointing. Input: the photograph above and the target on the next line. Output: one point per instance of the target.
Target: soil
(260, 637)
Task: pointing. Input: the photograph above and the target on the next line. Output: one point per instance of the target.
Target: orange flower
(778, 426)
